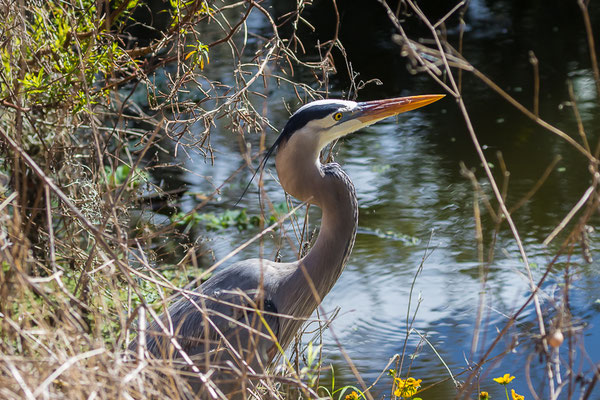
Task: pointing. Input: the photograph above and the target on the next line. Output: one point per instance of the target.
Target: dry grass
(75, 149)
(76, 277)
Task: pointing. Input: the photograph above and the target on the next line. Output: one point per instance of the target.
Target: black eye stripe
(303, 117)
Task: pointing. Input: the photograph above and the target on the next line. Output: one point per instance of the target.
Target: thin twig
(567, 218)
(591, 45)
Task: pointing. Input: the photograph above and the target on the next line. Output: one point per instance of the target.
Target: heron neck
(336, 197)
(327, 186)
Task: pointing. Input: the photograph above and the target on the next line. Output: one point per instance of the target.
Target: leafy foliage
(226, 219)
(121, 174)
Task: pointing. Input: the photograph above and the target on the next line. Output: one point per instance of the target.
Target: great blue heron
(235, 323)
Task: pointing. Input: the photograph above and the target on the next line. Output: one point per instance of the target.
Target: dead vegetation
(75, 154)
(75, 151)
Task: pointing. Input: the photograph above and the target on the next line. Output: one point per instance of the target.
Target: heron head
(320, 122)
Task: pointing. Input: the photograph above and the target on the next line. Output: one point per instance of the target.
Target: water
(414, 201)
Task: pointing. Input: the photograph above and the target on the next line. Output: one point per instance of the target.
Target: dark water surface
(413, 199)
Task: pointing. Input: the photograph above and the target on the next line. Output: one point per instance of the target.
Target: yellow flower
(407, 388)
(516, 396)
(484, 396)
(351, 396)
(413, 382)
(504, 380)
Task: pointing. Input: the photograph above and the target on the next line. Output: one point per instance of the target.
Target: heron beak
(372, 111)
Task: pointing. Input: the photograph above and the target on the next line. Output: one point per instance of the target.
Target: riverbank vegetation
(90, 92)
(100, 101)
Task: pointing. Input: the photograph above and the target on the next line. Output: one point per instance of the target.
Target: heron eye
(337, 116)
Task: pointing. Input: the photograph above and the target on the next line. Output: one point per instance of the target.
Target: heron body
(246, 312)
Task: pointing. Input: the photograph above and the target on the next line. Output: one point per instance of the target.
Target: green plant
(216, 221)
(119, 175)
(311, 370)
(342, 392)
(227, 219)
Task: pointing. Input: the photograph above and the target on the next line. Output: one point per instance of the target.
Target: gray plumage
(230, 326)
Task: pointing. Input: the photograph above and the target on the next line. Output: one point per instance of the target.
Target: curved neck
(326, 259)
(327, 186)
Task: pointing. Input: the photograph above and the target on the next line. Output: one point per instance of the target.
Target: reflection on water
(408, 182)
